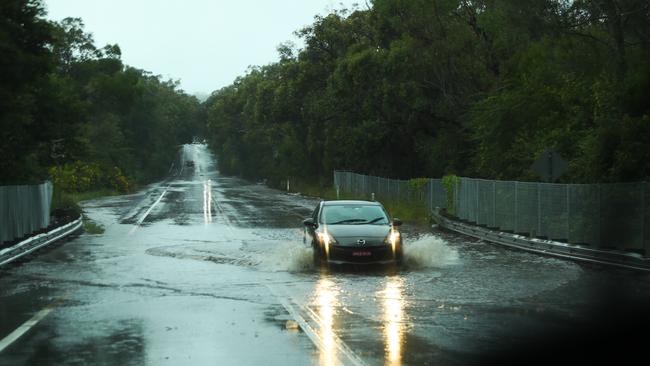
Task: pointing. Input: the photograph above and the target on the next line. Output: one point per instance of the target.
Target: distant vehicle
(189, 163)
(353, 232)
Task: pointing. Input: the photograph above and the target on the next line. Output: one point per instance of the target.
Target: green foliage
(73, 110)
(451, 183)
(412, 212)
(76, 177)
(417, 184)
(424, 88)
(81, 177)
(92, 228)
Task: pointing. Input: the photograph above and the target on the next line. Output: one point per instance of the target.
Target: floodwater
(206, 269)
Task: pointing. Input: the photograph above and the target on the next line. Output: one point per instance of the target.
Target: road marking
(313, 335)
(223, 213)
(29, 324)
(137, 225)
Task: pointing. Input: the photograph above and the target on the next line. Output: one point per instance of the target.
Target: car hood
(347, 235)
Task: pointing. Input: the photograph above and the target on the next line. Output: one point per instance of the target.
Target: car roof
(350, 202)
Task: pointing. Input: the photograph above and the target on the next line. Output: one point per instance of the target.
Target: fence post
(456, 198)
(568, 214)
(516, 227)
(398, 189)
(643, 245)
(646, 242)
(377, 186)
(476, 190)
(430, 194)
(600, 219)
(494, 204)
(539, 210)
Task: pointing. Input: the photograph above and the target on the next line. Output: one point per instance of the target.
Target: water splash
(429, 251)
(291, 256)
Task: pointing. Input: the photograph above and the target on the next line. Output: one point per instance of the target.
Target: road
(206, 269)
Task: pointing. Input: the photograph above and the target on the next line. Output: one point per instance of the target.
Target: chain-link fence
(602, 216)
(430, 192)
(24, 210)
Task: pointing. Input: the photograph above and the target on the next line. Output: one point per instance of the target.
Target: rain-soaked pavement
(205, 269)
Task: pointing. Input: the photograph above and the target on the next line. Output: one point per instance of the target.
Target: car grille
(360, 253)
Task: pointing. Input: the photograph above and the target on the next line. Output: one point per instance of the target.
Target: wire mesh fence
(430, 192)
(601, 216)
(24, 210)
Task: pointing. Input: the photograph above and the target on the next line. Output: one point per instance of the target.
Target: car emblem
(361, 242)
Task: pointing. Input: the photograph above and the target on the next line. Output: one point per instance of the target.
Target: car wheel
(315, 257)
(399, 255)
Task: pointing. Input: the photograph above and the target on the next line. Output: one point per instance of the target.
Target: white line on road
(26, 326)
(148, 212)
(229, 224)
(312, 333)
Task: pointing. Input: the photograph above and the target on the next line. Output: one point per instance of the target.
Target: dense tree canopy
(75, 111)
(426, 88)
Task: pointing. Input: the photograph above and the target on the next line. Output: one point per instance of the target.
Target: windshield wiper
(375, 220)
(346, 221)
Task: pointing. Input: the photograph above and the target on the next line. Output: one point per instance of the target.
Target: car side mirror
(309, 222)
(397, 222)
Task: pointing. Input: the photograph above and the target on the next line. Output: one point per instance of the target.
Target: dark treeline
(427, 88)
(74, 112)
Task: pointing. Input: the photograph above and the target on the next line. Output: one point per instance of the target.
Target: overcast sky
(204, 43)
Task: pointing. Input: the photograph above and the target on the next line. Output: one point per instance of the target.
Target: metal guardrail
(29, 245)
(547, 247)
(600, 216)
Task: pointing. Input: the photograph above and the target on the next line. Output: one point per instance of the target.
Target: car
(189, 163)
(353, 232)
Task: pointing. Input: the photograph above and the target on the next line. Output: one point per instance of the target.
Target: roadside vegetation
(425, 88)
(73, 112)
(412, 211)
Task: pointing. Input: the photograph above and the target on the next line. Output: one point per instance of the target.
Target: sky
(205, 44)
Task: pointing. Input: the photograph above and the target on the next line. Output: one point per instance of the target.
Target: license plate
(361, 254)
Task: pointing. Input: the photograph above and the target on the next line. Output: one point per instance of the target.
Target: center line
(148, 212)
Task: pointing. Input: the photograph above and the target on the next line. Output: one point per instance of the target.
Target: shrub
(451, 182)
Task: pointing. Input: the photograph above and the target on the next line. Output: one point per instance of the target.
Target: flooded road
(205, 269)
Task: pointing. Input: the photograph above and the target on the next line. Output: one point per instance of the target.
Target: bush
(83, 176)
(451, 182)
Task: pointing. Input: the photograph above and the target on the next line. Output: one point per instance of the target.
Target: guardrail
(599, 216)
(29, 245)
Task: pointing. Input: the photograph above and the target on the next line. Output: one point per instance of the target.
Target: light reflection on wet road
(207, 269)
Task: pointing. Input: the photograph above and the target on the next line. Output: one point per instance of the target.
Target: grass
(92, 227)
(69, 201)
(411, 212)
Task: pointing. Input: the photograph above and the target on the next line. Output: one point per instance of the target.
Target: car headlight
(392, 238)
(326, 238)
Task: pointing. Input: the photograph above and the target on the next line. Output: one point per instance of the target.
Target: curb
(31, 244)
(546, 247)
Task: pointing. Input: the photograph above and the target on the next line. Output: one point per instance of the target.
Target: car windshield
(353, 214)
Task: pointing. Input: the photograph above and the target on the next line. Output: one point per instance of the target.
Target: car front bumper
(362, 255)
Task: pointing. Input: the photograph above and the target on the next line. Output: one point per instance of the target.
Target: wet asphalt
(206, 269)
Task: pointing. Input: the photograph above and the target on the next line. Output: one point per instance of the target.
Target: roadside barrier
(24, 210)
(33, 243)
(600, 216)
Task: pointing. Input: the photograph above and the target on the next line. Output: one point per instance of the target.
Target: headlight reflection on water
(393, 320)
(393, 305)
(326, 300)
